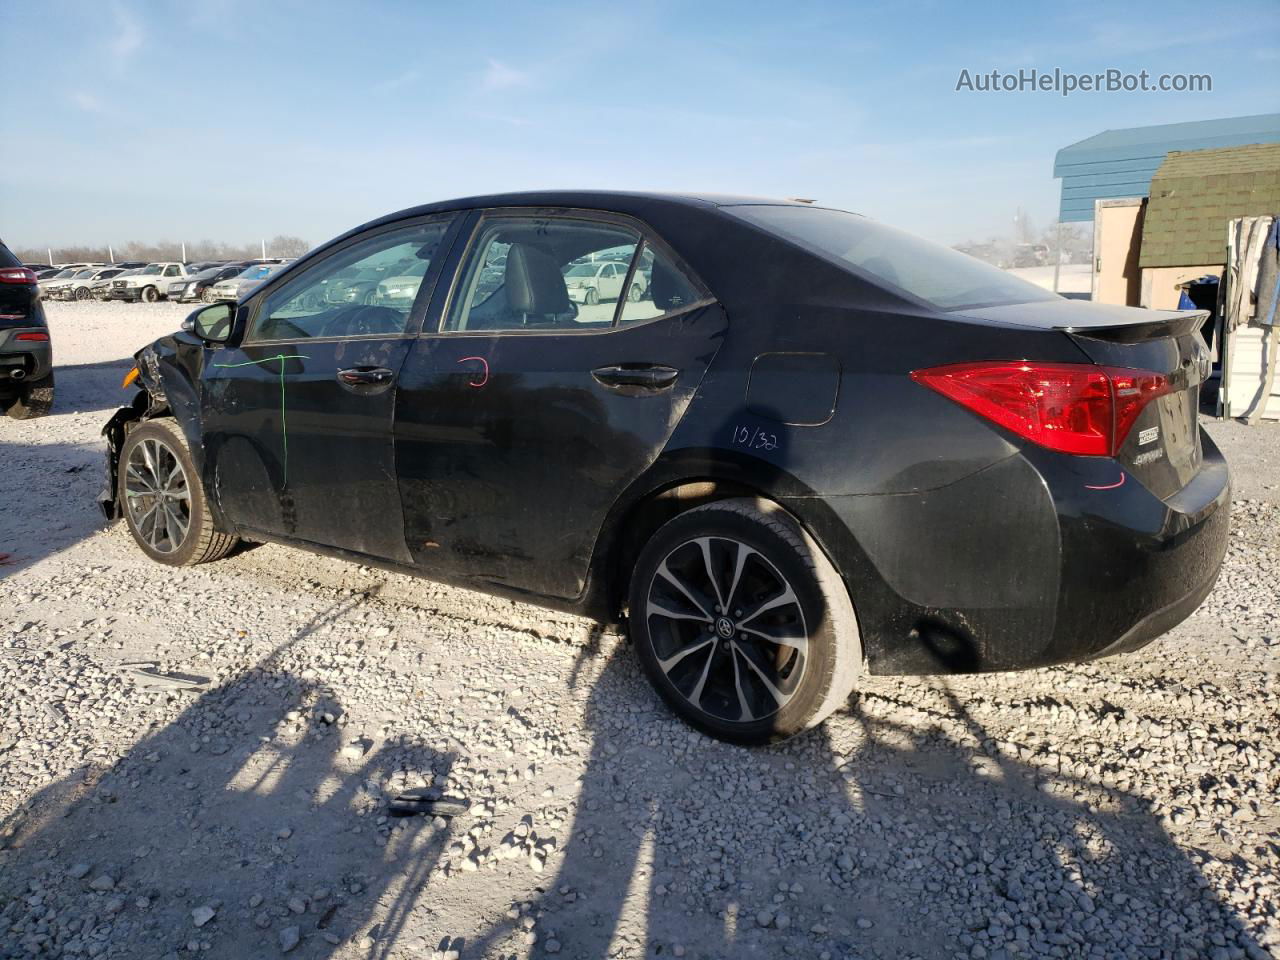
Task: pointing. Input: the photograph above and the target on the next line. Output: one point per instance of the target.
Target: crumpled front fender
(114, 431)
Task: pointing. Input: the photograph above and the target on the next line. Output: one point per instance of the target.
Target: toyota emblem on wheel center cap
(724, 627)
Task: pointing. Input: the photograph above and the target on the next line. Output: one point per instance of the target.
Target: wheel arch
(687, 479)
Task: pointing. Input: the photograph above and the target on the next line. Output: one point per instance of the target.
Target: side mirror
(212, 324)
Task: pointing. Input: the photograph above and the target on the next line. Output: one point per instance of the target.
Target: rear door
(525, 414)
(298, 417)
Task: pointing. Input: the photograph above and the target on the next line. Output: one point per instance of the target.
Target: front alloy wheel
(157, 496)
(741, 622)
(162, 500)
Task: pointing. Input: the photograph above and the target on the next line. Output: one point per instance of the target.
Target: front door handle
(365, 377)
(647, 377)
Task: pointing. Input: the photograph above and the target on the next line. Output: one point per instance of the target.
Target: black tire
(158, 440)
(34, 399)
(779, 554)
(592, 297)
(207, 295)
(150, 294)
(635, 293)
(84, 293)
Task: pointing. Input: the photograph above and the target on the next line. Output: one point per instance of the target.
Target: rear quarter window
(943, 278)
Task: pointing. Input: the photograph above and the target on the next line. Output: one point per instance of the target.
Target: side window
(540, 273)
(368, 289)
(171, 270)
(657, 287)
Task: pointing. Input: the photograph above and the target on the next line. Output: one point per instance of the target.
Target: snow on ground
(1121, 808)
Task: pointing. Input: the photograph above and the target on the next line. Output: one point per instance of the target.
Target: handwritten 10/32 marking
(756, 439)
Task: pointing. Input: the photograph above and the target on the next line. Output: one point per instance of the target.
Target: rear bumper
(34, 358)
(1028, 564)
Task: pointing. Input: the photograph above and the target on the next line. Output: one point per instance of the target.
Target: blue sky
(230, 121)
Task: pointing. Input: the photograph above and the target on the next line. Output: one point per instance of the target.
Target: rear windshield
(942, 277)
(7, 259)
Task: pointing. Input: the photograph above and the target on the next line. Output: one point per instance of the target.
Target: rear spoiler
(1166, 325)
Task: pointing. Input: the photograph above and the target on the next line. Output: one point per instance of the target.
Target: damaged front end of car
(165, 375)
(149, 401)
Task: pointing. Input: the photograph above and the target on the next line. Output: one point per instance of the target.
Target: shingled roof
(1195, 193)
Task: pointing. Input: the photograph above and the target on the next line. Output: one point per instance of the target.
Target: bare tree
(283, 245)
(287, 246)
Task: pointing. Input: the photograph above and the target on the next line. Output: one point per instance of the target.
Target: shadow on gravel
(51, 486)
(871, 837)
(251, 803)
(897, 844)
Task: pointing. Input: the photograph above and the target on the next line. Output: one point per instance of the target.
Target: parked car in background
(817, 448)
(80, 287)
(591, 283)
(1030, 255)
(98, 288)
(149, 284)
(26, 353)
(198, 286)
(55, 287)
(62, 274)
(238, 286)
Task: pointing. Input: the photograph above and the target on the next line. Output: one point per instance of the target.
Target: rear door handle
(647, 377)
(365, 377)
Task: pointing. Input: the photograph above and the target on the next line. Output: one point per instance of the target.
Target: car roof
(589, 199)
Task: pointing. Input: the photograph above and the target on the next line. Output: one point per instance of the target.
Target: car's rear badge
(1149, 435)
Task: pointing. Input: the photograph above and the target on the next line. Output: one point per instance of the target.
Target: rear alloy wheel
(150, 295)
(162, 499)
(207, 296)
(84, 293)
(34, 399)
(741, 622)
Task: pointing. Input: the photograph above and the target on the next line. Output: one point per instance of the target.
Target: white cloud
(87, 102)
(499, 76)
(128, 36)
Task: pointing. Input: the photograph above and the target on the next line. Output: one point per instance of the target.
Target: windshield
(63, 274)
(209, 272)
(943, 278)
(582, 270)
(151, 270)
(85, 274)
(257, 271)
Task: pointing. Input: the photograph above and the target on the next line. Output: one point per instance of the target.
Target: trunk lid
(1162, 449)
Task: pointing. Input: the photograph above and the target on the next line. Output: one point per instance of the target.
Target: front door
(533, 407)
(298, 417)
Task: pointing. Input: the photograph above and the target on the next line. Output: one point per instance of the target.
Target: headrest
(534, 283)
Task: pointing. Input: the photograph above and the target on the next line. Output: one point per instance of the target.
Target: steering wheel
(365, 321)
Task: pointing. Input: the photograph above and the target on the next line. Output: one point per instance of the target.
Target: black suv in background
(26, 355)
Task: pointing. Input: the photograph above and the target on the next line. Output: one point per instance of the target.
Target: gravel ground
(1123, 808)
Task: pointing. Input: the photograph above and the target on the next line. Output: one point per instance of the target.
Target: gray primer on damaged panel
(799, 389)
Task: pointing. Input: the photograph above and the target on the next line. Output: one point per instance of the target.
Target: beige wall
(1159, 284)
(1117, 238)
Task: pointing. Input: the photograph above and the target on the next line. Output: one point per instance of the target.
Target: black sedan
(815, 447)
(200, 286)
(26, 352)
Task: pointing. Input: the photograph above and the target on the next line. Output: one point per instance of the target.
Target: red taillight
(17, 275)
(44, 337)
(1068, 407)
